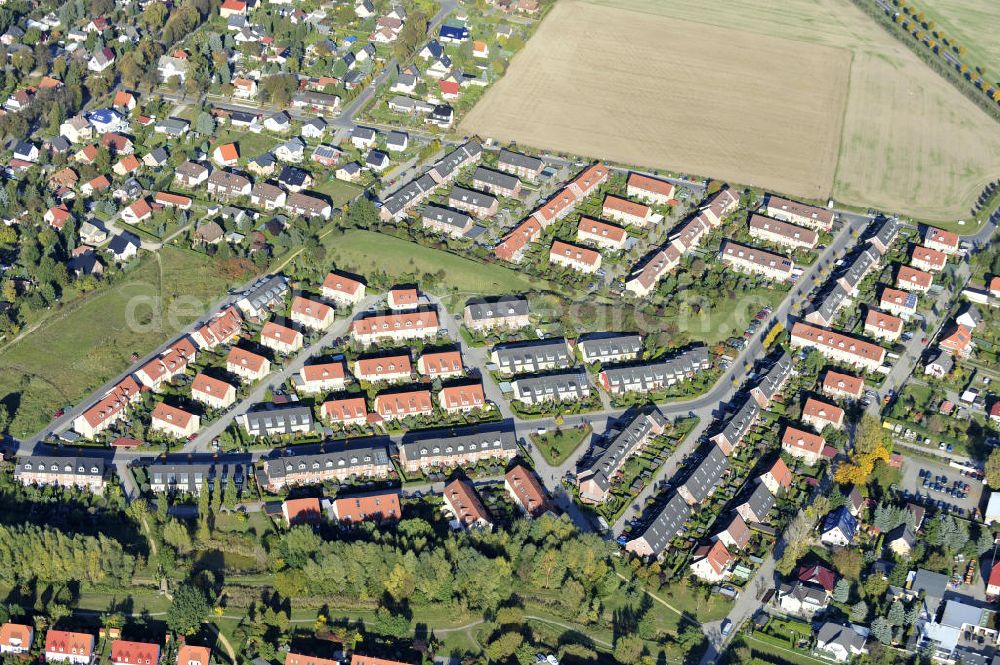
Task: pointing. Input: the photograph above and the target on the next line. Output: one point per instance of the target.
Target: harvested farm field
(810, 98)
(652, 90)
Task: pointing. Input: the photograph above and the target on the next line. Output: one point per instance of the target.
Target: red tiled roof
(883, 321)
(207, 385)
(909, 276)
(464, 396)
(574, 253)
(297, 511)
(838, 382)
(171, 415)
(134, 653)
(803, 440)
(349, 408)
(310, 308)
(834, 340)
(941, 237)
(625, 206)
(341, 284)
(928, 255)
(189, 654)
(244, 358)
(324, 371)
(384, 366)
(651, 185)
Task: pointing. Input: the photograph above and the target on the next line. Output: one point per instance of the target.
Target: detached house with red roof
(629, 212)
(843, 386)
(462, 501)
(124, 652)
(601, 234)
(311, 313)
(189, 654)
(578, 258)
(391, 369)
(711, 562)
(941, 240)
(342, 289)
(226, 154)
(802, 444)
(441, 364)
(883, 326)
(913, 280)
(232, 8)
(901, 303)
(527, 491)
(399, 405)
(368, 507)
(957, 341)
(822, 414)
(928, 259)
(281, 338)
(777, 478)
(212, 392)
(462, 399)
(650, 189)
(247, 365)
(66, 647)
(174, 422)
(138, 212)
(321, 377)
(301, 511)
(16, 638)
(57, 216)
(347, 411)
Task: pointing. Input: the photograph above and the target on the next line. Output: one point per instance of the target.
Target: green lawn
(772, 652)
(365, 252)
(89, 341)
(729, 317)
(338, 191)
(141, 600)
(558, 444)
(249, 144)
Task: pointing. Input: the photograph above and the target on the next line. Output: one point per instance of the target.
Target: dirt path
(224, 642)
(664, 603)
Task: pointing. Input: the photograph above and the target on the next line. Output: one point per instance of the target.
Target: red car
(59, 413)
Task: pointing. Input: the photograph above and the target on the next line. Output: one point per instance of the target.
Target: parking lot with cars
(941, 486)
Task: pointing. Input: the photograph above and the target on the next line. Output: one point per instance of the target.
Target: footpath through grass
(90, 341)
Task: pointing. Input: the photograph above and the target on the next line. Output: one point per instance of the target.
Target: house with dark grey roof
(394, 208)
(738, 426)
(445, 220)
(184, 478)
(802, 599)
(84, 472)
(654, 375)
(886, 234)
(705, 477)
(826, 312)
(610, 348)
(757, 505)
(559, 387)
(339, 462)
(457, 447)
(278, 420)
(523, 166)
(841, 643)
(445, 169)
(860, 267)
(626, 439)
(536, 356)
(495, 182)
(506, 312)
(263, 295)
(773, 381)
(479, 204)
(655, 538)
